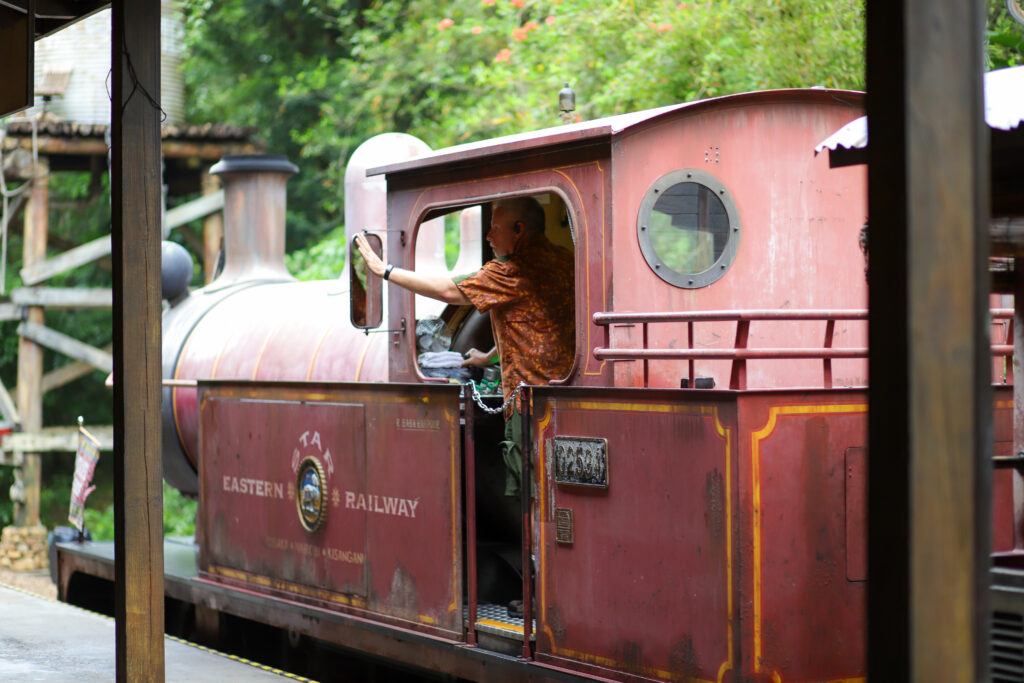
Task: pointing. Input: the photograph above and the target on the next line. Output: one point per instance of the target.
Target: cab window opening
(442, 331)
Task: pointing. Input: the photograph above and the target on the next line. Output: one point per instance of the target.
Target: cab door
(343, 495)
(636, 507)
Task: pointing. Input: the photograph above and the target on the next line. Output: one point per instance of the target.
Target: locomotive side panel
(636, 574)
(344, 496)
(804, 491)
(793, 222)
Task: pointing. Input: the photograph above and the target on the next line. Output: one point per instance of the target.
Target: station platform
(45, 640)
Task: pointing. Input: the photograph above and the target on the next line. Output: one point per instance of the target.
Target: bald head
(521, 209)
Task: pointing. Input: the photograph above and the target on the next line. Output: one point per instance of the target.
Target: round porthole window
(688, 228)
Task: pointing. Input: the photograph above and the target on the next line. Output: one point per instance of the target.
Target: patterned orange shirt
(532, 302)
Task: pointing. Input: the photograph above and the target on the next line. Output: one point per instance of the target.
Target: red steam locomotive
(698, 507)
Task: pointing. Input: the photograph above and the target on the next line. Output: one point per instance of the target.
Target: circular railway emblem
(311, 500)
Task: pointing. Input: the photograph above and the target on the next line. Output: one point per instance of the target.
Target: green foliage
(322, 260)
(1005, 37)
(318, 78)
(179, 517)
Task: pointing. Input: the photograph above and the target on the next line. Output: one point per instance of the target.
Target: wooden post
(213, 228)
(930, 422)
(136, 216)
(30, 354)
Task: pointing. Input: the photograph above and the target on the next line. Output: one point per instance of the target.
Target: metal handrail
(741, 353)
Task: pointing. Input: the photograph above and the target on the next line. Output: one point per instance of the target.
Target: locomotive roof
(605, 128)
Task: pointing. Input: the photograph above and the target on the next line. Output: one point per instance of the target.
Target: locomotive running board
(496, 631)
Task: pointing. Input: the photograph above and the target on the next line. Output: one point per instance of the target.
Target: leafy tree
(318, 78)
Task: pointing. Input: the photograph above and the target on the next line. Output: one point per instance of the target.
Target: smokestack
(254, 217)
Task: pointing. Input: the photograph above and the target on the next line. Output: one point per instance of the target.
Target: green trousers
(512, 451)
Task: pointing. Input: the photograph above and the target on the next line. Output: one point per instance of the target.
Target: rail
(740, 353)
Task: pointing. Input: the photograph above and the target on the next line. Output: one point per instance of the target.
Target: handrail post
(689, 342)
(1008, 366)
(646, 366)
(830, 328)
(738, 380)
(526, 491)
(469, 467)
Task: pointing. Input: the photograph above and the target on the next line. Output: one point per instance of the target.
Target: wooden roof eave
(53, 15)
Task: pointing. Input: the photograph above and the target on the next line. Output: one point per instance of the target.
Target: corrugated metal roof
(1004, 110)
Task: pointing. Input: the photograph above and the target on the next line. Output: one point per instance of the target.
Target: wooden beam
(7, 407)
(136, 207)
(63, 297)
(10, 312)
(49, 145)
(56, 439)
(195, 209)
(35, 273)
(206, 151)
(30, 354)
(929, 486)
(69, 373)
(69, 346)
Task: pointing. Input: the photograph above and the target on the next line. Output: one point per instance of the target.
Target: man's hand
(433, 285)
(478, 358)
(376, 266)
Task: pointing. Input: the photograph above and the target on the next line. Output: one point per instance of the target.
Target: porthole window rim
(721, 265)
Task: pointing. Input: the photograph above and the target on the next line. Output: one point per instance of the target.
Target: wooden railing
(740, 352)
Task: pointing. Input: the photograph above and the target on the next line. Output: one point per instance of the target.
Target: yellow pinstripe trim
(260, 580)
(755, 461)
(500, 624)
(316, 351)
(704, 410)
(454, 452)
(584, 237)
(263, 348)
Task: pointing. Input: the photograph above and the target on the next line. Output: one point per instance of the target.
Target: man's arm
(440, 287)
(479, 358)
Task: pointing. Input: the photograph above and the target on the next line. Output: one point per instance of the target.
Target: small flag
(85, 465)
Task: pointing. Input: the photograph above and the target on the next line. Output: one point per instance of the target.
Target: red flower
(503, 55)
(550, 20)
(476, 30)
(444, 23)
(517, 3)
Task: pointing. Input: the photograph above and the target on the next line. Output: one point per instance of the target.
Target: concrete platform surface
(46, 640)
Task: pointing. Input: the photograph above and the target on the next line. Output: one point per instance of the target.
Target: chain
(500, 409)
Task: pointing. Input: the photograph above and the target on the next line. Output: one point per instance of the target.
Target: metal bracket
(398, 331)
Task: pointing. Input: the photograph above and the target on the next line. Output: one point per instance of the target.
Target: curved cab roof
(600, 130)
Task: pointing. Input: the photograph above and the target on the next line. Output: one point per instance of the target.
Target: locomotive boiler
(697, 509)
